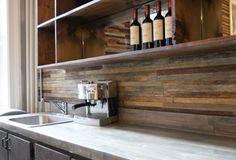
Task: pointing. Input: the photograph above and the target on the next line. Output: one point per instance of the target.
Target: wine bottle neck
(147, 11)
(135, 14)
(169, 4)
(158, 7)
(147, 16)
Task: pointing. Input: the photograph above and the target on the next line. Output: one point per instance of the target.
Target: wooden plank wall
(215, 20)
(117, 38)
(203, 85)
(193, 93)
(46, 46)
(225, 17)
(45, 10)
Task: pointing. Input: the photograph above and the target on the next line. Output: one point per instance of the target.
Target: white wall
(4, 92)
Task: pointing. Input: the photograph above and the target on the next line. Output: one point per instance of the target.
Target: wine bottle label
(158, 30)
(168, 27)
(134, 35)
(147, 32)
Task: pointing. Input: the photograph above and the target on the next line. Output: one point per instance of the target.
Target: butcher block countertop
(120, 141)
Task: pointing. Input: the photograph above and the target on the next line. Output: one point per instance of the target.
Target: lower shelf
(210, 45)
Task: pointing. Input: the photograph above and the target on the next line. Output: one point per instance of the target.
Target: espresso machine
(100, 100)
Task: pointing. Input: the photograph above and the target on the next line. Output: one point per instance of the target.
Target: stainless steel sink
(41, 120)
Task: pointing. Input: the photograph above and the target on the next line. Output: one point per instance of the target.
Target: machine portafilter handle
(80, 105)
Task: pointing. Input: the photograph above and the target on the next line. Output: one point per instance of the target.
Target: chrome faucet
(63, 108)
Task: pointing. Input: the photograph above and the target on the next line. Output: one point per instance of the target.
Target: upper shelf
(47, 24)
(206, 46)
(96, 9)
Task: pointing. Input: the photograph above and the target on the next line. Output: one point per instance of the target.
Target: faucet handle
(42, 100)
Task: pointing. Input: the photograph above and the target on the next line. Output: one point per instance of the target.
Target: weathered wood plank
(69, 40)
(188, 26)
(46, 10)
(46, 48)
(221, 101)
(214, 125)
(188, 122)
(212, 19)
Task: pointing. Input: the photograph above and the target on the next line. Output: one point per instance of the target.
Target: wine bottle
(135, 32)
(147, 39)
(158, 27)
(168, 25)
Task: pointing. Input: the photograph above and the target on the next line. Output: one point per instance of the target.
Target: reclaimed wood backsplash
(202, 85)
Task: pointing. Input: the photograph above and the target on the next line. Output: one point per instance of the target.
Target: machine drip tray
(95, 121)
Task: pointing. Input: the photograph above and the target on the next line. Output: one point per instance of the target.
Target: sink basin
(41, 120)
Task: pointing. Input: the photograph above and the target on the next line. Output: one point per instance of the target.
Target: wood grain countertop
(120, 141)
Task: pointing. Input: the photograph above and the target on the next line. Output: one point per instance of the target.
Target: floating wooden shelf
(47, 24)
(207, 46)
